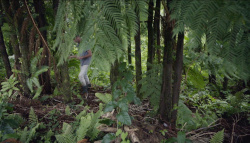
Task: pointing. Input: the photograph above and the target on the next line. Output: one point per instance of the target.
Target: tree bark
(64, 85)
(157, 29)
(5, 55)
(44, 77)
(166, 92)
(177, 76)
(151, 50)
(138, 59)
(129, 50)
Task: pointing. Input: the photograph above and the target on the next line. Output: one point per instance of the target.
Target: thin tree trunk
(45, 77)
(138, 59)
(212, 79)
(129, 50)
(177, 76)
(150, 35)
(166, 92)
(157, 29)
(5, 55)
(16, 51)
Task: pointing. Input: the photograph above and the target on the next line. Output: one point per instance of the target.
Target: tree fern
(103, 26)
(218, 137)
(225, 25)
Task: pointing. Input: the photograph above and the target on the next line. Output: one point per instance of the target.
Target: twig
(201, 129)
(236, 120)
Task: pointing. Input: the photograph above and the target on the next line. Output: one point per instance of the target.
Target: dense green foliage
(215, 77)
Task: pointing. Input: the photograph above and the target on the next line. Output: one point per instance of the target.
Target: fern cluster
(86, 125)
(225, 25)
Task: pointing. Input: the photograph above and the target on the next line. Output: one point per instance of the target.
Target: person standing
(85, 59)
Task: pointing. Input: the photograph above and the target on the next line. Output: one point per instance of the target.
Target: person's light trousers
(83, 77)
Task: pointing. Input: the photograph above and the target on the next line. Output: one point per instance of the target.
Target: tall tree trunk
(138, 59)
(150, 35)
(177, 76)
(44, 77)
(157, 29)
(166, 92)
(129, 50)
(4, 55)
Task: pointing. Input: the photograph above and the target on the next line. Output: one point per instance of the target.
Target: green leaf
(15, 88)
(110, 106)
(123, 105)
(118, 132)
(67, 110)
(117, 93)
(171, 140)
(137, 100)
(29, 84)
(124, 135)
(40, 71)
(38, 92)
(181, 137)
(106, 98)
(124, 118)
(35, 81)
(10, 92)
(108, 138)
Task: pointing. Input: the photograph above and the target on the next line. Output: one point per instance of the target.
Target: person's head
(77, 39)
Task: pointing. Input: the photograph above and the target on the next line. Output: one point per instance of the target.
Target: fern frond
(218, 137)
(33, 120)
(67, 135)
(151, 85)
(104, 97)
(83, 128)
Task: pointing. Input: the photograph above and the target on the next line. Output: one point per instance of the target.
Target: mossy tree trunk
(4, 55)
(44, 77)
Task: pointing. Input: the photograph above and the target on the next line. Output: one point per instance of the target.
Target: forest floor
(144, 129)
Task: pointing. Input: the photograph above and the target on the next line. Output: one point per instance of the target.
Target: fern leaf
(83, 128)
(33, 120)
(106, 98)
(218, 137)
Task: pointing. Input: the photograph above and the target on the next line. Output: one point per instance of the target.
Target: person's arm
(86, 56)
